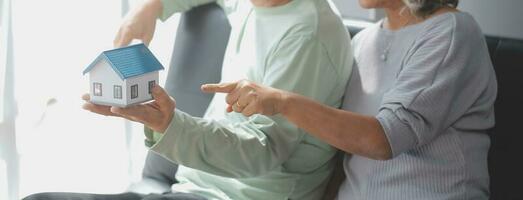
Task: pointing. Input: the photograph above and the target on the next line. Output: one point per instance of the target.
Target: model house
(123, 76)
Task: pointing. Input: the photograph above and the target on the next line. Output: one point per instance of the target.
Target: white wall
(351, 9)
(497, 17)
(502, 18)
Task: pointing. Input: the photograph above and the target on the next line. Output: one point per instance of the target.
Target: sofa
(197, 58)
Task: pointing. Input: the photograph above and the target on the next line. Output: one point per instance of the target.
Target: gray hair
(424, 8)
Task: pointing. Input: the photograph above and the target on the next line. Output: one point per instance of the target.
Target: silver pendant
(383, 57)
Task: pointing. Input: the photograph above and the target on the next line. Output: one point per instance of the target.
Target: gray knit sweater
(432, 87)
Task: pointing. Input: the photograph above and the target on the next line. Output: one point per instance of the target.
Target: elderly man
(299, 46)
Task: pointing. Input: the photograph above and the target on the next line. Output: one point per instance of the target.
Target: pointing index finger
(219, 88)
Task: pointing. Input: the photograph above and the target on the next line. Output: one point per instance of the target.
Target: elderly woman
(417, 108)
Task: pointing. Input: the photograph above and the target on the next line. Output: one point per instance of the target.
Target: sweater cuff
(168, 9)
(399, 135)
(166, 143)
(151, 137)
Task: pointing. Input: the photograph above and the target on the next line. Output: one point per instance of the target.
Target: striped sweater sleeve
(428, 95)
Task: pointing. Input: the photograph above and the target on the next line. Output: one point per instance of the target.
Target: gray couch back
(199, 48)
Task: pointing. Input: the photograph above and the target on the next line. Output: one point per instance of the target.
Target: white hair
(424, 8)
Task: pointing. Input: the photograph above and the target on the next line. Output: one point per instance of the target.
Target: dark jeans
(122, 196)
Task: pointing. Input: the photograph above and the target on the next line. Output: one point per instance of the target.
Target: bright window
(3, 53)
(3, 180)
(61, 146)
(134, 91)
(117, 92)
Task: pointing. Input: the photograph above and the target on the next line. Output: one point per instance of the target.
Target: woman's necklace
(385, 52)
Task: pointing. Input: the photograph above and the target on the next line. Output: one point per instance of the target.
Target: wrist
(167, 123)
(154, 7)
(284, 102)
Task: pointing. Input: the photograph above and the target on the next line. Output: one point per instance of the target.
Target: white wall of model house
(143, 87)
(104, 74)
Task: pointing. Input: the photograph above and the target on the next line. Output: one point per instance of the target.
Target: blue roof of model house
(129, 61)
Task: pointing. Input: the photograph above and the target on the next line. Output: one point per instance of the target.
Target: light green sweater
(301, 47)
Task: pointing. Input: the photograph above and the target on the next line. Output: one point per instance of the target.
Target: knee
(171, 196)
(39, 196)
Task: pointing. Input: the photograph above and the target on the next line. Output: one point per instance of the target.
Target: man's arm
(140, 23)
(175, 6)
(246, 147)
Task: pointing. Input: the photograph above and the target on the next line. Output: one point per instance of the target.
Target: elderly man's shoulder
(312, 17)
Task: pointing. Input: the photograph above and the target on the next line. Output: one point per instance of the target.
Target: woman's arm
(350, 132)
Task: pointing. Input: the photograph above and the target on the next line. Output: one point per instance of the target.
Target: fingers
(147, 39)
(162, 99)
(250, 109)
(242, 87)
(156, 114)
(229, 108)
(99, 109)
(124, 41)
(241, 95)
(146, 114)
(219, 88)
(116, 41)
(86, 97)
(245, 98)
(237, 107)
(123, 38)
(136, 113)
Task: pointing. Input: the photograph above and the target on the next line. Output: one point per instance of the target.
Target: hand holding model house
(124, 78)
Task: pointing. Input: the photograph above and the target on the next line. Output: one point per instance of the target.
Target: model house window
(97, 87)
(134, 91)
(151, 85)
(117, 92)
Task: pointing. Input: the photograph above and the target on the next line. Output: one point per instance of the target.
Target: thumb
(219, 88)
(161, 97)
